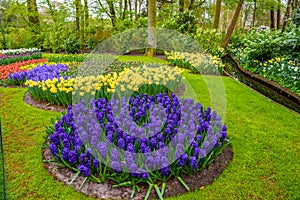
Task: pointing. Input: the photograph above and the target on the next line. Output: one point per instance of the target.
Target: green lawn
(265, 140)
(1, 172)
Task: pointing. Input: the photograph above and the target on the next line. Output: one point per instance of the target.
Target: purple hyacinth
(54, 150)
(193, 162)
(84, 170)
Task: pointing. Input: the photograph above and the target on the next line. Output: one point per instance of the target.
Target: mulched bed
(42, 104)
(105, 190)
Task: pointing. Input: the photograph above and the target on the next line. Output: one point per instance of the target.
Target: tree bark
(272, 19)
(151, 49)
(112, 12)
(232, 24)
(136, 9)
(278, 15)
(120, 8)
(86, 17)
(217, 14)
(130, 9)
(287, 15)
(77, 16)
(125, 9)
(254, 13)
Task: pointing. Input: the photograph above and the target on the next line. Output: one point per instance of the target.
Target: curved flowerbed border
(106, 191)
(269, 88)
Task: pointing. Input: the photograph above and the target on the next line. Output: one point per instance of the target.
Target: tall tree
(77, 16)
(232, 24)
(254, 13)
(151, 49)
(112, 12)
(217, 14)
(136, 9)
(287, 14)
(33, 15)
(272, 18)
(125, 9)
(278, 14)
(86, 17)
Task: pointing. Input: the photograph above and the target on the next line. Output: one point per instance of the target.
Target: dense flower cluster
(39, 73)
(161, 133)
(5, 70)
(49, 83)
(197, 62)
(8, 59)
(280, 70)
(18, 51)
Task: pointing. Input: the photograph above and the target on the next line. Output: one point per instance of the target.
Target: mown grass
(265, 141)
(2, 179)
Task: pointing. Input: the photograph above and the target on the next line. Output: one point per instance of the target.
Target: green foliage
(72, 44)
(54, 38)
(271, 54)
(6, 61)
(59, 58)
(96, 36)
(183, 22)
(265, 45)
(20, 38)
(296, 19)
(210, 40)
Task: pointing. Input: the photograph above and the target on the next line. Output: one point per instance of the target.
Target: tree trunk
(151, 49)
(86, 17)
(112, 12)
(136, 9)
(33, 15)
(232, 24)
(125, 9)
(130, 9)
(254, 13)
(278, 15)
(120, 8)
(77, 16)
(272, 19)
(287, 15)
(245, 18)
(217, 14)
(181, 5)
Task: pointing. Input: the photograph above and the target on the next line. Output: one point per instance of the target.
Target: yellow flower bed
(144, 79)
(197, 62)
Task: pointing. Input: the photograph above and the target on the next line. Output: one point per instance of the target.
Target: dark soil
(42, 104)
(105, 190)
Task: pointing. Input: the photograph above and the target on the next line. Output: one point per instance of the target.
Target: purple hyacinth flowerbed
(39, 73)
(141, 139)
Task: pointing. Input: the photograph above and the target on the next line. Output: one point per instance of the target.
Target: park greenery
(44, 52)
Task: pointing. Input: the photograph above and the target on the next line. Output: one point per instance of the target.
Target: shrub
(72, 44)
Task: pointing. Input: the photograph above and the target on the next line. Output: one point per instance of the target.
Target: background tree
(232, 24)
(151, 49)
(217, 14)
